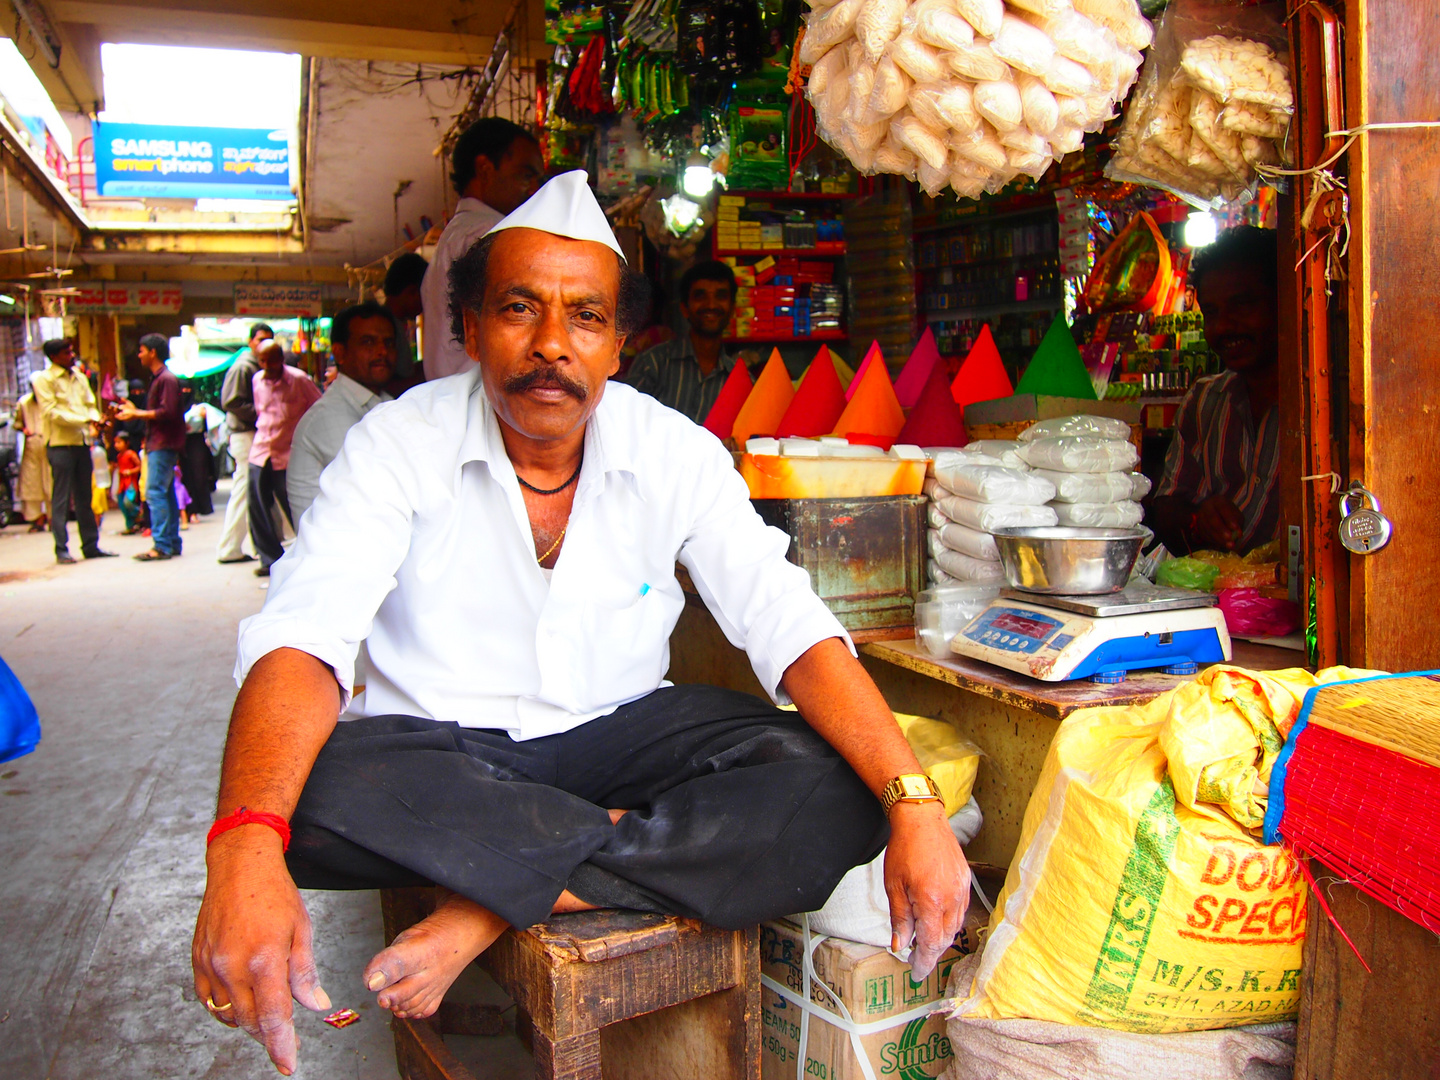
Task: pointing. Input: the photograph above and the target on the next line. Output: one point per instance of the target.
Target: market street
(102, 828)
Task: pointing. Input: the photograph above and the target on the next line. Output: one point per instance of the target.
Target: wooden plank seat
(618, 995)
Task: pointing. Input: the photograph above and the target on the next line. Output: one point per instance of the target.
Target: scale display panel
(1012, 629)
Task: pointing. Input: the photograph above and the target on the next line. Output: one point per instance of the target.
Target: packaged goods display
(1214, 102)
(967, 94)
(1080, 454)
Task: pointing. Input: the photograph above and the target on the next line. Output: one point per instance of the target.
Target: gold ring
(210, 1004)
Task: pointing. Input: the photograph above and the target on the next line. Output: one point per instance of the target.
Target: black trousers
(267, 486)
(739, 811)
(70, 470)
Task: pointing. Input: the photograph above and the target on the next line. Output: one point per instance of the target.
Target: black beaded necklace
(555, 490)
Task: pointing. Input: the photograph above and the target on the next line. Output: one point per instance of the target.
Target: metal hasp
(865, 556)
(1364, 530)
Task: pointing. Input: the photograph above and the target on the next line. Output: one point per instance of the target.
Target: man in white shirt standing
(495, 168)
(362, 341)
(505, 543)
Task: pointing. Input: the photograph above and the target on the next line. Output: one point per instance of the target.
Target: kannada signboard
(169, 162)
(278, 301)
(118, 298)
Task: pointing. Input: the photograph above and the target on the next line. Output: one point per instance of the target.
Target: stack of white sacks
(1089, 461)
(974, 491)
(1072, 470)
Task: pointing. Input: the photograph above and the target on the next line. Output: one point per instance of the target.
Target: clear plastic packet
(936, 576)
(999, 102)
(1065, 76)
(1139, 486)
(1238, 69)
(890, 89)
(1026, 141)
(981, 146)
(956, 103)
(938, 24)
(932, 180)
(829, 27)
(1067, 140)
(987, 517)
(925, 143)
(968, 541)
(1005, 452)
(1080, 454)
(890, 157)
(1247, 118)
(1024, 47)
(984, 15)
(923, 106)
(877, 25)
(1223, 144)
(977, 62)
(869, 136)
(1083, 424)
(831, 66)
(1029, 163)
(1041, 110)
(1116, 515)
(1120, 17)
(994, 484)
(965, 568)
(918, 60)
(1105, 487)
(1076, 36)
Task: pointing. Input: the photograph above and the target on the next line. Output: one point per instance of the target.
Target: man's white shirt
(442, 354)
(419, 544)
(319, 436)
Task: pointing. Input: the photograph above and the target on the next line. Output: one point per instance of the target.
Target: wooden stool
(653, 997)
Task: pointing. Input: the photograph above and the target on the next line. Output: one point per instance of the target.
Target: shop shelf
(804, 253)
(783, 339)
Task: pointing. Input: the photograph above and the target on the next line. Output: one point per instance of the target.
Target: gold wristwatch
(909, 787)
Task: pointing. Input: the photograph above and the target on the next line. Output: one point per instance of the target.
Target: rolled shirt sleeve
(763, 602)
(324, 594)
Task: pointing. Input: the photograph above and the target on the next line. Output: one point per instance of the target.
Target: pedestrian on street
(68, 421)
(237, 398)
(127, 493)
(35, 481)
(164, 439)
(282, 395)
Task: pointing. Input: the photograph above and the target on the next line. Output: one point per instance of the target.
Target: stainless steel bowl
(1063, 560)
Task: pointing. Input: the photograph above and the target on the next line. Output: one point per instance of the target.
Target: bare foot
(413, 974)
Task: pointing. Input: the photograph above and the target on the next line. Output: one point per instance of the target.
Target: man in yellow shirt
(68, 420)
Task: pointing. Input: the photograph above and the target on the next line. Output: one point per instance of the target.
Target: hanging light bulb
(1199, 229)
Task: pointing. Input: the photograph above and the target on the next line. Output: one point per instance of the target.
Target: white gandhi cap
(565, 206)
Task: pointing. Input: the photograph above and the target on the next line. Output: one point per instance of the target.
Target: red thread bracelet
(246, 816)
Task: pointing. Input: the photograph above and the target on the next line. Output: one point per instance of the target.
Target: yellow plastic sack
(1137, 901)
(949, 760)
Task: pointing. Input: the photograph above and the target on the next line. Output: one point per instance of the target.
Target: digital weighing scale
(1056, 638)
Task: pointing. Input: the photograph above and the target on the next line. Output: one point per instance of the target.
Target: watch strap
(896, 791)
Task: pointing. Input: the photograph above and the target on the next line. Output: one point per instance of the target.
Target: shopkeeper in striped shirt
(688, 372)
(1220, 489)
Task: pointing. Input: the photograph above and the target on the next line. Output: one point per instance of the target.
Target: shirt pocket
(625, 651)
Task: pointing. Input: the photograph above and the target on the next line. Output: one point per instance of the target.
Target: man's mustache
(547, 377)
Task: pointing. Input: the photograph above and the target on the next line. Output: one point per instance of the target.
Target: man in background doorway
(402, 297)
(69, 420)
(688, 372)
(496, 167)
(362, 339)
(1220, 489)
(34, 465)
(164, 414)
(282, 396)
(237, 398)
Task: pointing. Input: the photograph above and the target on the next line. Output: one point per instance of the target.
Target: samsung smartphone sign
(162, 162)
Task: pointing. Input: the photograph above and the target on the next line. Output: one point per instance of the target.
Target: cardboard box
(1043, 407)
(873, 985)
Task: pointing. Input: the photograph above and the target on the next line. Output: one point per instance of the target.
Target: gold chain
(551, 550)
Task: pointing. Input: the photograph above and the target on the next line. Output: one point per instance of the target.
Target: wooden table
(1011, 717)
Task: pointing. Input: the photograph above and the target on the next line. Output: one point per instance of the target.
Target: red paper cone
(982, 376)
(916, 372)
(872, 356)
(873, 409)
(765, 406)
(817, 404)
(935, 420)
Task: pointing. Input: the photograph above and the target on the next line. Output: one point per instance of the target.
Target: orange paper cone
(916, 372)
(982, 376)
(935, 420)
(766, 405)
(872, 356)
(817, 404)
(721, 420)
(873, 410)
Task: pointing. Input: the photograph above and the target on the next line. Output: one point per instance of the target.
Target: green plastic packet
(1187, 573)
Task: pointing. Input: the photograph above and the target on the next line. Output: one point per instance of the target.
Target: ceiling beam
(73, 85)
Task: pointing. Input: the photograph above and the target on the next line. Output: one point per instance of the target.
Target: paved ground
(102, 828)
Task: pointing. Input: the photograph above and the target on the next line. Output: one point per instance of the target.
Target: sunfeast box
(889, 1022)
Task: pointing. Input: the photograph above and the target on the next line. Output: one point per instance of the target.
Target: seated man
(688, 372)
(362, 342)
(505, 542)
(1220, 489)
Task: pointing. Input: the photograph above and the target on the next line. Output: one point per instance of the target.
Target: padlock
(1365, 530)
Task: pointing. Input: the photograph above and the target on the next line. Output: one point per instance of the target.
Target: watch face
(914, 787)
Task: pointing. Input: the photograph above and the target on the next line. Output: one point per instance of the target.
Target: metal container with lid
(1064, 560)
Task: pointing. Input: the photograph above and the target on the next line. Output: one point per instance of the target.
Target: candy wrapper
(342, 1018)
(1214, 101)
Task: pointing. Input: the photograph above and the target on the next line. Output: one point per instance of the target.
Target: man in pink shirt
(282, 394)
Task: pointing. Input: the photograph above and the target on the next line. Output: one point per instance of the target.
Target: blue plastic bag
(19, 722)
